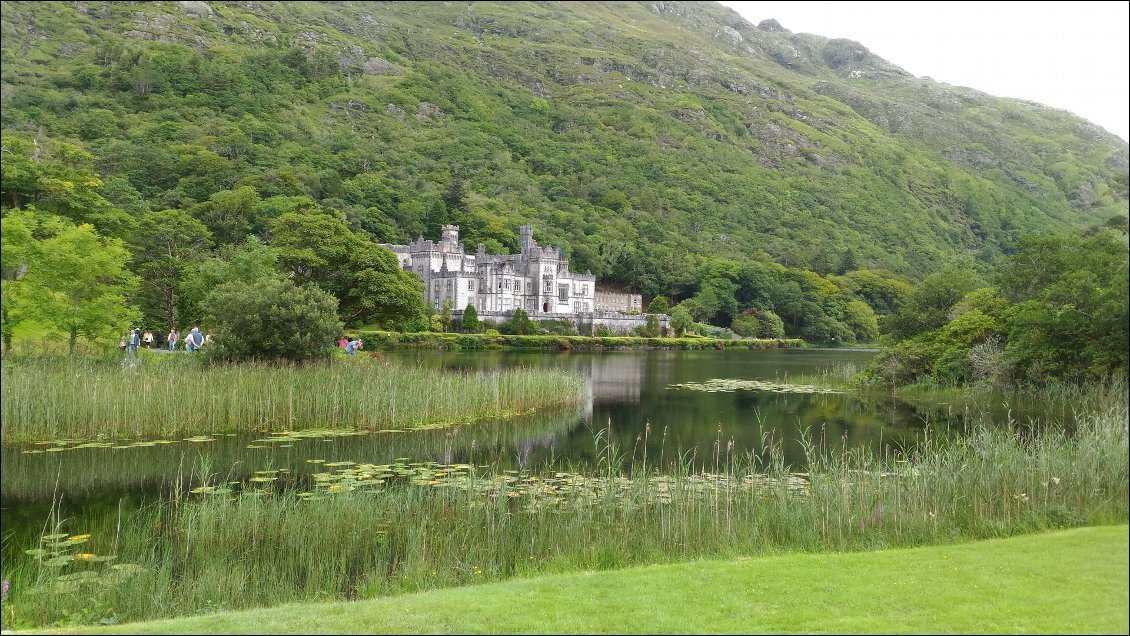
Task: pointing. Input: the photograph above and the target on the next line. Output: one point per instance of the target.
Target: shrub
(271, 319)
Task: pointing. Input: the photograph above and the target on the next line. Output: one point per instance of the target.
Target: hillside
(649, 139)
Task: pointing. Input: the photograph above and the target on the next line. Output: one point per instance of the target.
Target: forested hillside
(670, 148)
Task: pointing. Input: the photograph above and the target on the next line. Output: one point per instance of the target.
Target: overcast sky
(1069, 55)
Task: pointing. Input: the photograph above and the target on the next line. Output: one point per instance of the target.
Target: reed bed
(198, 553)
(155, 398)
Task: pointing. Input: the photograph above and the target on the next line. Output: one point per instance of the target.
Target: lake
(638, 400)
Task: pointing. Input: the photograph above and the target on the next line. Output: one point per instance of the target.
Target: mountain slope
(647, 138)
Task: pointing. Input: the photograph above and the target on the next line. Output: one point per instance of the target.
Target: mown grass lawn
(1069, 582)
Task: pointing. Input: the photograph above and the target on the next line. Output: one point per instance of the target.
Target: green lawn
(1074, 581)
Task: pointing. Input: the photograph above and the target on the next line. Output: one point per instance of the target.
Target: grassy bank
(456, 342)
(363, 531)
(171, 395)
(1071, 581)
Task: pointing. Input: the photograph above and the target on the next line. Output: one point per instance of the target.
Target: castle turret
(450, 235)
(527, 233)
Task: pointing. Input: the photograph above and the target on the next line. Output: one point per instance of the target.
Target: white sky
(1068, 55)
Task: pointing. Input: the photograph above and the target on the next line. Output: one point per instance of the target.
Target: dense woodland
(163, 162)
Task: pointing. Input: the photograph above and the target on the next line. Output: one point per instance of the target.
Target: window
(563, 293)
(448, 285)
(548, 286)
(470, 285)
(506, 284)
(584, 290)
(548, 269)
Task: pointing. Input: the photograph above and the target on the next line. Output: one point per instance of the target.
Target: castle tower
(527, 233)
(450, 235)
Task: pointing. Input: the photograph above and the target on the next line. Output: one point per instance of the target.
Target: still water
(637, 400)
(634, 401)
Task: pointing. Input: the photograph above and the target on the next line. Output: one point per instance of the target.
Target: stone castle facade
(537, 280)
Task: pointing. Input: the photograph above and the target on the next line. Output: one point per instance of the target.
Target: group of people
(351, 347)
(194, 341)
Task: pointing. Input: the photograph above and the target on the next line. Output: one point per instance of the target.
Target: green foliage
(58, 178)
(759, 323)
(1059, 315)
(367, 280)
(165, 247)
(561, 327)
(66, 277)
(519, 324)
(928, 306)
(271, 319)
(445, 315)
(719, 192)
(470, 322)
(651, 328)
(658, 305)
(681, 319)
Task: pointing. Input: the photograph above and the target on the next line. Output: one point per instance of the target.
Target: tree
(229, 213)
(17, 253)
(1072, 307)
(165, 245)
(271, 319)
(772, 326)
(77, 282)
(57, 178)
(681, 319)
(445, 314)
(658, 305)
(470, 322)
(859, 316)
(927, 307)
(245, 263)
(365, 278)
(747, 324)
(519, 323)
(651, 329)
(880, 289)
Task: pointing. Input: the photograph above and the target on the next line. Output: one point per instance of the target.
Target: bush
(560, 327)
(271, 319)
(470, 322)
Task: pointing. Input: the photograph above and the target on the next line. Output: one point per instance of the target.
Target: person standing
(194, 340)
(134, 341)
(172, 340)
(148, 339)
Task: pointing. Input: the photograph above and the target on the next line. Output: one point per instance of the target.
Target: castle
(537, 280)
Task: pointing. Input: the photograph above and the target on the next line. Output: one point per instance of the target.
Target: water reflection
(632, 403)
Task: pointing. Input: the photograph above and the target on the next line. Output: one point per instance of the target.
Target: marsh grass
(169, 395)
(266, 547)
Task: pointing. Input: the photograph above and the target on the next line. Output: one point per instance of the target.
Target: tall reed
(267, 547)
(153, 398)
